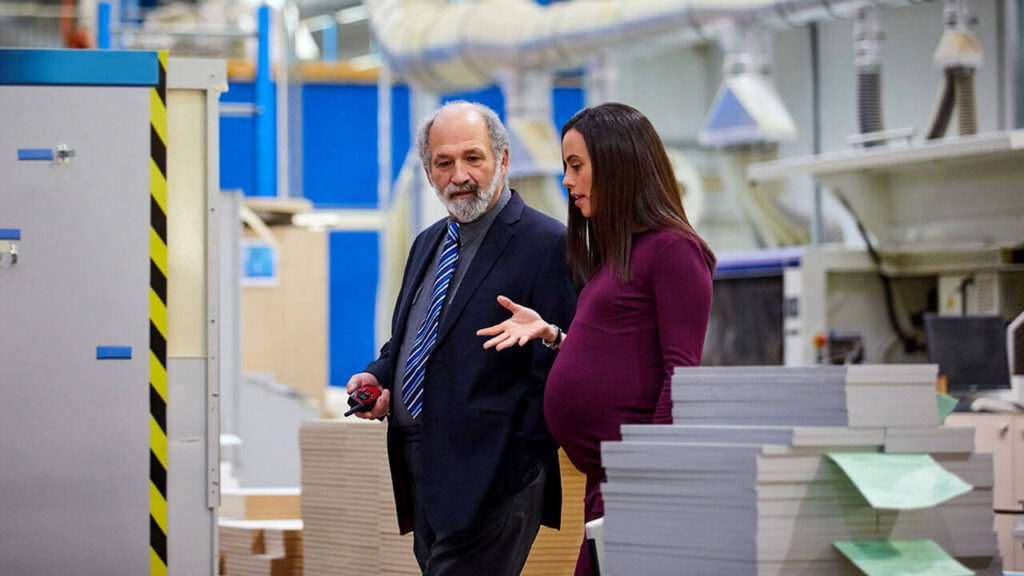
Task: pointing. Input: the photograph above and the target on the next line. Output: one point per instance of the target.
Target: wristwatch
(554, 344)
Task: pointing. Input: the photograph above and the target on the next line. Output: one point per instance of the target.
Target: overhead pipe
(443, 47)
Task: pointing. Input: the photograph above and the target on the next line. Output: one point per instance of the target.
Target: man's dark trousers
(497, 544)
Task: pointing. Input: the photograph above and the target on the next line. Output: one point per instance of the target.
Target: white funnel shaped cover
(747, 110)
(958, 48)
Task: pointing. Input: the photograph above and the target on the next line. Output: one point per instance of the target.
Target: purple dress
(615, 365)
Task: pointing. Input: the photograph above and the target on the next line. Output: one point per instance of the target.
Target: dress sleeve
(681, 281)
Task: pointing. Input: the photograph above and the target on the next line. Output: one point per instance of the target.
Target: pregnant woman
(647, 295)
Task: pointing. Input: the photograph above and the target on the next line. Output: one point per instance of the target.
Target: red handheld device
(363, 399)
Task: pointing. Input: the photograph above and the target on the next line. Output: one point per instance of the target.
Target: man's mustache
(453, 189)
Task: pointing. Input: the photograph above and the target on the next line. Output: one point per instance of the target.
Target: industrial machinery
(941, 221)
(110, 325)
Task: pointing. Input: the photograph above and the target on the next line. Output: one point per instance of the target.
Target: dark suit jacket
(482, 428)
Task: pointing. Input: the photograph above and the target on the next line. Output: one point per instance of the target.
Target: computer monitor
(1015, 346)
(970, 352)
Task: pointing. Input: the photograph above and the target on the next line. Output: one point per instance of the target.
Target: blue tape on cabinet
(35, 154)
(113, 352)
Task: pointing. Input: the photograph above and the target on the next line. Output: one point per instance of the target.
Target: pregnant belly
(586, 404)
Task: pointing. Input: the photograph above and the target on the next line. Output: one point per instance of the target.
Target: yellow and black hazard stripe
(158, 324)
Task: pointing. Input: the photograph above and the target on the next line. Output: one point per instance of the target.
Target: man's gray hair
(495, 129)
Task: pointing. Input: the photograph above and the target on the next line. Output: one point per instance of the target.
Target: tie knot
(453, 230)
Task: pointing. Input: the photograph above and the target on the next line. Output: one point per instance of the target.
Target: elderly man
(474, 467)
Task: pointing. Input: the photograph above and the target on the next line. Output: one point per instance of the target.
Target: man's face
(463, 170)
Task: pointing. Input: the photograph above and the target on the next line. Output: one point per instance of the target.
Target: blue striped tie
(426, 336)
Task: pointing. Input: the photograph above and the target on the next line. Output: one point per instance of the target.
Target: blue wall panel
(353, 258)
(401, 135)
(339, 143)
(237, 141)
(490, 97)
(565, 102)
(340, 138)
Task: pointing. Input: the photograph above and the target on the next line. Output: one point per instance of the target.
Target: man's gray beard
(469, 209)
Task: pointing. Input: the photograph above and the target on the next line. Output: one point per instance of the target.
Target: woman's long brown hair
(633, 189)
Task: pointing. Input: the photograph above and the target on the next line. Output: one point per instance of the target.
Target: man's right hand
(367, 380)
(524, 325)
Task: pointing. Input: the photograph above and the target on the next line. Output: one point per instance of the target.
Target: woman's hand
(524, 325)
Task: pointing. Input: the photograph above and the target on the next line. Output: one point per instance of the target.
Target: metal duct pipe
(442, 46)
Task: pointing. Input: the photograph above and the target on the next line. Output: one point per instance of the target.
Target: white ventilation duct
(442, 47)
(445, 47)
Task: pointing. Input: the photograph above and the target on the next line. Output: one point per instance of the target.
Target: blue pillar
(103, 25)
(330, 42)
(131, 12)
(264, 89)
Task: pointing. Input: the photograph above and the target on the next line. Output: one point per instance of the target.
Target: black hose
(910, 344)
(963, 294)
(956, 93)
(943, 108)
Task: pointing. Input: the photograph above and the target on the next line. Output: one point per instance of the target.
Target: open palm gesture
(524, 325)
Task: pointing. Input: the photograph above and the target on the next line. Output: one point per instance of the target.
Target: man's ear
(504, 163)
(429, 178)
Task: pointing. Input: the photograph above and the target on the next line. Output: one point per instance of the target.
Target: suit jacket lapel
(419, 265)
(486, 257)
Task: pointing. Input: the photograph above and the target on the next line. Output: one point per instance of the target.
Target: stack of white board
(743, 484)
(858, 396)
(348, 506)
(260, 503)
(343, 466)
(261, 547)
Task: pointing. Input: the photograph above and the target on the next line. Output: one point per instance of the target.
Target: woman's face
(577, 165)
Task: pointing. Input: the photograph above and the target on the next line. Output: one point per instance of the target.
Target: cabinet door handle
(1004, 427)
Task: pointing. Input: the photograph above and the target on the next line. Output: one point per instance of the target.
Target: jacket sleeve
(381, 367)
(553, 296)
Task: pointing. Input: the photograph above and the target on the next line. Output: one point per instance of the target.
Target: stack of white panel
(260, 504)
(744, 486)
(341, 471)
(855, 396)
(348, 504)
(261, 547)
